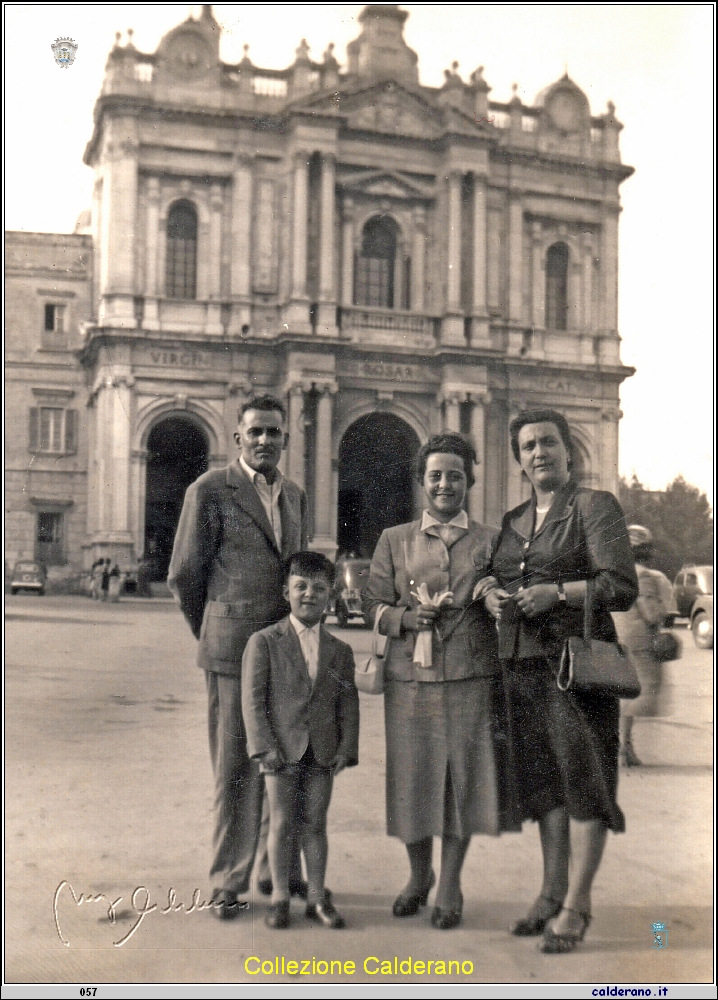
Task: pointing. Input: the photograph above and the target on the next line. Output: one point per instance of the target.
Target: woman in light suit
(441, 777)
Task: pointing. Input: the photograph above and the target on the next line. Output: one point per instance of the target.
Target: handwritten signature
(480, 120)
(141, 904)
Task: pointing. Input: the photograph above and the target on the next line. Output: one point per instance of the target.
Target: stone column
(348, 252)
(609, 264)
(477, 494)
(114, 408)
(118, 233)
(514, 484)
(586, 279)
(538, 277)
(515, 255)
(327, 307)
(214, 269)
(240, 274)
(608, 466)
(151, 314)
(452, 411)
(323, 540)
(297, 313)
(480, 321)
(418, 254)
(452, 327)
(295, 456)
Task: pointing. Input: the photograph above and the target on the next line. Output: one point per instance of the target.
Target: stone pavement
(109, 790)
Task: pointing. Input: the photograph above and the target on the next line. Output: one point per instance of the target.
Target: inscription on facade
(178, 359)
(386, 370)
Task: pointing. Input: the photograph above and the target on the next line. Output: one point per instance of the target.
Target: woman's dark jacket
(582, 537)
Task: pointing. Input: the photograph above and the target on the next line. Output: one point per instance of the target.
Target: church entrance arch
(177, 451)
(376, 483)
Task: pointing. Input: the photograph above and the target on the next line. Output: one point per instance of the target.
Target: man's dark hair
(262, 403)
(309, 564)
(541, 417)
(449, 443)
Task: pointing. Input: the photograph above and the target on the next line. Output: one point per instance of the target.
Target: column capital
(611, 414)
(480, 398)
(328, 388)
(536, 231)
(451, 395)
(215, 197)
(153, 190)
(242, 160)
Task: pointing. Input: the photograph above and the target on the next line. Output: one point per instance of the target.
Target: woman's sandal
(538, 916)
(561, 944)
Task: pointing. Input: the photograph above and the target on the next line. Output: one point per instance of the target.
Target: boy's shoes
(225, 905)
(278, 915)
(325, 914)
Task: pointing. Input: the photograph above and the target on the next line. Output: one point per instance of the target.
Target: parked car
(352, 576)
(702, 621)
(691, 583)
(28, 576)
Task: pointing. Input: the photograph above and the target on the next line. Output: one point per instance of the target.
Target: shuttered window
(182, 251)
(53, 430)
(557, 287)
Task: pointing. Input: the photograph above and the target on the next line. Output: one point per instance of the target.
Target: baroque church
(389, 259)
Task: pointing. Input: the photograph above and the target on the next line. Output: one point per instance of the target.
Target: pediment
(386, 183)
(386, 107)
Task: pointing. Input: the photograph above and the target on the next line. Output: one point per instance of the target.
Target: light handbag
(590, 665)
(665, 646)
(369, 674)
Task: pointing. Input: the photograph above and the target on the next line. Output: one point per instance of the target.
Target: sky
(654, 61)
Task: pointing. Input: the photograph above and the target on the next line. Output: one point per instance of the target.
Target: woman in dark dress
(564, 744)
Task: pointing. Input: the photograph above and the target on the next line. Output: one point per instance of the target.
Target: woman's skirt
(563, 746)
(441, 759)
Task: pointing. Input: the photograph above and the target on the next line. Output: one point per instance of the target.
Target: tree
(679, 517)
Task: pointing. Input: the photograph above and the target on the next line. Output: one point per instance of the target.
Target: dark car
(702, 621)
(28, 576)
(352, 576)
(691, 583)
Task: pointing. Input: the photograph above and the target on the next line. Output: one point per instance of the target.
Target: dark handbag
(369, 672)
(665, 646)
(590, 665)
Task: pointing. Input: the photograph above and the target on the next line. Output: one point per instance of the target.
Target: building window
(49, 538)
(53, 430)
(374, 284)
(557, 287)
(53, 329)
(182, 251)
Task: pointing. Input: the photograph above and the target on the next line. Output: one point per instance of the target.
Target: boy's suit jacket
(226, 569)
(282, 712)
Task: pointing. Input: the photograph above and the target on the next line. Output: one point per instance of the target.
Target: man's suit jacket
(283, 712)
(226, 569)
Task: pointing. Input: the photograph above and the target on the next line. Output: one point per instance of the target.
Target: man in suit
(237, 526)
(301, 713)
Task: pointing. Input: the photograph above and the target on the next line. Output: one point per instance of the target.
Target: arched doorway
(176, 455)
(376, 485)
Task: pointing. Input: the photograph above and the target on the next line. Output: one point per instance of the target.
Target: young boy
(301, 713)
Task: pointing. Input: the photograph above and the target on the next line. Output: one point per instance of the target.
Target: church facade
(387, 258)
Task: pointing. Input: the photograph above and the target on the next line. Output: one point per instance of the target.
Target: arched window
(557, 287)
(182, 251)
(374, 277)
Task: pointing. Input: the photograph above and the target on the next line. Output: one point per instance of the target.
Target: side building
(389, 258)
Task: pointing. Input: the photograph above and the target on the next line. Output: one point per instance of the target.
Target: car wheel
(41, 592)
(13, 590)
(702, 628)
(342, 616)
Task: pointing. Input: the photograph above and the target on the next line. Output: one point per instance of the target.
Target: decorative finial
(118, 36)
(245, 48)
(455, 65)
(130, 33)
(302, 50)
(611, 108)
(514, 89)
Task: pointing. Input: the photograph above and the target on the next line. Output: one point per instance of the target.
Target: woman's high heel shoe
(561, 944)
(408, 906)
(539, 915)
(445, 920)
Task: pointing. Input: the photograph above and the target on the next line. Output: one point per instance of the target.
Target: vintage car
(691, 583)
(28, 576)
(701, 619)
(352, 576)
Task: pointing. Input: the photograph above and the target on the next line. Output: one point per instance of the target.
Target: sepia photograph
(359, 498)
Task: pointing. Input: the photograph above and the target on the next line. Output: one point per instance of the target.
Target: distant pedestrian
(96, 574)
(105, 580)
(114, 583)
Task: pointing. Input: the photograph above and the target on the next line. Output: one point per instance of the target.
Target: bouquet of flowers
(422, 646)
